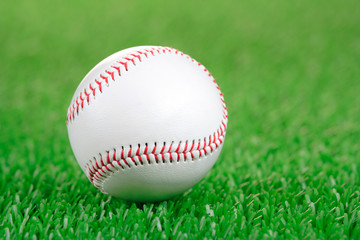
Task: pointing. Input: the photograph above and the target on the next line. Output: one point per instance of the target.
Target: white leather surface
(158, 181)
(100, 67)
(164, 98)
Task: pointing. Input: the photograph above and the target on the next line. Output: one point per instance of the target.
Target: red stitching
(118, 163)
(111, 164)
(143, 53)
(100, 169)
(177, 149)
(108, 157)
(198, 146)
(97, 164)
(111, 74)
(99, 84)
(186, 144)
(97, 173)
(162, 149)
(82, 101)
(153, 151)
(92, 89)
(192, 146)
(105, 78)
(126, 162)
(151, 51)
(77, 105)
(73, 111)
(107, 168)
(117, 68)
(100, 172)
(101, 160)
(138, 56)
(130, 59)
(124, 64)
(87, 96)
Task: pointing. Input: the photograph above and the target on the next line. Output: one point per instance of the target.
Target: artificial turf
(290, 74)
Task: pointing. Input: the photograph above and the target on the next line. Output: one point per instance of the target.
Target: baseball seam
(115, 70)
(103, 166)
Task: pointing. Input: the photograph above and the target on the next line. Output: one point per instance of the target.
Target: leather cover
(147, 97)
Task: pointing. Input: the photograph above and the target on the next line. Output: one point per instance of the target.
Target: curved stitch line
(123, 63)
(97, 174)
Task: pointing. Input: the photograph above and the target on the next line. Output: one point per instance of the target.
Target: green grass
(290, 74)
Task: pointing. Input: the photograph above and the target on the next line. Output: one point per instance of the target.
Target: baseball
(147, 123)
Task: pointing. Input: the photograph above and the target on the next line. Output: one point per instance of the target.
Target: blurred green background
(290, 74)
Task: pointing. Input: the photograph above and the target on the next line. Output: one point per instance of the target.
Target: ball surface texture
(147, 123)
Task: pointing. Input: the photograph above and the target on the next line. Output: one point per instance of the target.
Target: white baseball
(147, 123)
